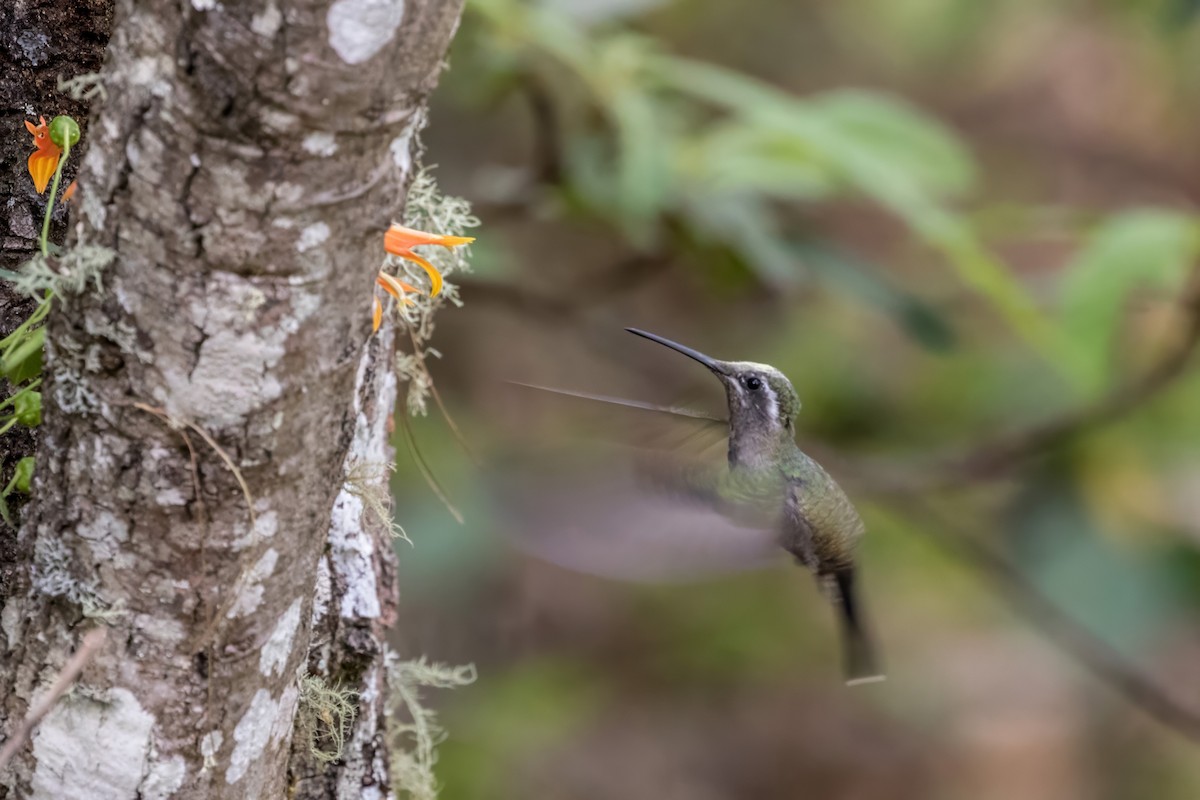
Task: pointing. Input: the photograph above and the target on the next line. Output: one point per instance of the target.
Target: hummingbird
(767, 485)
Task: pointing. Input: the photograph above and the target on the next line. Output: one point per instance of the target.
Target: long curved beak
(713, 364)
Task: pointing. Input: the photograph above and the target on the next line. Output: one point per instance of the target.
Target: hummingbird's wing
(640, 424)
(603, 516)
(631, 490)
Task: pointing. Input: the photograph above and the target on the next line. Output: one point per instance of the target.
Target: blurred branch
(994, 457)
(1009, 450)
(1105, 662)
(547, 134)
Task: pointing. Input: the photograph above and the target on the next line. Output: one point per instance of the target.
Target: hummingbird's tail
(861, 662)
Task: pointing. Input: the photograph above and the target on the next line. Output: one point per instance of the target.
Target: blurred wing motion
(610, 522)
(642, 425)
(654, 508)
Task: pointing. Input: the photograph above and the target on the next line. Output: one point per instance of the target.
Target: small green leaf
(24, 360)
(23, 475)
(27, 406)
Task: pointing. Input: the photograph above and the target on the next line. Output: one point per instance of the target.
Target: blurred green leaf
(891, 130)
(750, 229)
(1121, 595)
(1133, 250)
(843, 135)
(27, 406)
(916, 317)
(738, 157)
(23, 475)
(588, 164)
(21, 480)
(23, 360)
(642, 169)
(596, 11)
(1178, 14)
(767, 144)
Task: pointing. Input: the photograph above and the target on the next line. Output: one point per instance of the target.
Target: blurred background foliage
(951, 223)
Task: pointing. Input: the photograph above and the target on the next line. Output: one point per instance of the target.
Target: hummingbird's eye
(753, 383)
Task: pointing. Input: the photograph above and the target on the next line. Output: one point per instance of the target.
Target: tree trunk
(204, 410)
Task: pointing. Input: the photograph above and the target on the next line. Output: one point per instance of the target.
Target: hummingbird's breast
(822, 526)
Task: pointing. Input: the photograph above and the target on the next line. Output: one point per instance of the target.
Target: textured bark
(40, 41)
(243, 168)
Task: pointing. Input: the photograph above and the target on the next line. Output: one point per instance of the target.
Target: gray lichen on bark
(242, 169)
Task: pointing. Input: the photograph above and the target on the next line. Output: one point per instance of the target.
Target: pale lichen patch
(266, 524)
(401, 147)
(228, 376)
(162, 630)
(233, 372)
(266, 24)
(277, 120)
(210, 745)
(287, 714)
(322, 593)
(10, 617)
(321, 143)
(92, 748)
(358, 29)
(105, 534)
(291, 194)
(351, 551)
(170, 496)
(312, 236)
(274, 654)
(53, 575)
(251, 735)
(164, 778)
(251, 595)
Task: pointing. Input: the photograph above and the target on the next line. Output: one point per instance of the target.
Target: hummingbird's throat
(756, 429)
(753, 447)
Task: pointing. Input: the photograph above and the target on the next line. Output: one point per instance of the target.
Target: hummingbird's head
(762, 401)
(759, 396)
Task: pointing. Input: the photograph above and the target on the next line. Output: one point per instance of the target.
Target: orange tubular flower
(44, 161)
(397, 289)
(69, 192)
(399, 241)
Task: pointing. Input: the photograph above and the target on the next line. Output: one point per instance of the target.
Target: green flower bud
(64, 130)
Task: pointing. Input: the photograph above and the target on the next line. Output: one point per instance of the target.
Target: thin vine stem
(54, 194)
